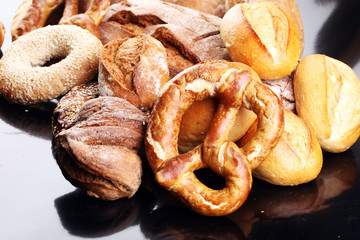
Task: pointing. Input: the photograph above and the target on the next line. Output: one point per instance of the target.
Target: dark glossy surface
(38, 203)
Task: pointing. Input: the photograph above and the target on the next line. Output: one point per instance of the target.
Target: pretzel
(34, 14)
(234, 88)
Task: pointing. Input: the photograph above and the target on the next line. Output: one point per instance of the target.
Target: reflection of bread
(296, 159)
(262, 36)
(326, 96)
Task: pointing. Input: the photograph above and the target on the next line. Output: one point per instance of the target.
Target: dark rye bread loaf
(96, 142)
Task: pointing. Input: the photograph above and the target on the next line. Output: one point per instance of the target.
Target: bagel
(24, 77)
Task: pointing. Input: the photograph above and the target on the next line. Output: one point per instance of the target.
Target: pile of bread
(140, 49)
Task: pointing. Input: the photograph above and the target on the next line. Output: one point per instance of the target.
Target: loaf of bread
(326, 96)
(188, 36)
(133, 69)
(99, 151)
(65, 113)
(262, 36)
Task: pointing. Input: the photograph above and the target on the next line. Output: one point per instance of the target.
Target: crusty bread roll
(133, 69)
(288, 6)
(197, 120)
(262, 36)
(2, 33)
(326, 96)
(296, 159)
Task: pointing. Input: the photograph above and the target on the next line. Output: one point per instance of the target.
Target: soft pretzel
(234, 88)
(34, 14)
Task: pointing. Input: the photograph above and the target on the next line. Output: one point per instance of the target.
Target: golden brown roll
(290, 7)
(296, 159)
(262, 36)
(326, 96)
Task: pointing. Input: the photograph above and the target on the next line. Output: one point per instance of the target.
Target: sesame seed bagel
(26, 77)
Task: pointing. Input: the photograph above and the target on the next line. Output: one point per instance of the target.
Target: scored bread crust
(188, 36)
(99, 151)
(262, 36)
(326, 92)
(296, 159)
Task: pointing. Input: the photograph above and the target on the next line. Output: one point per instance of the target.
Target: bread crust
(290, 7)
(326, 92)
(296, 159)
(188, 36)
(262, 36)
(133, 69)
(99, 152)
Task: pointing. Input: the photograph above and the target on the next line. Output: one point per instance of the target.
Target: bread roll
(262, 36)
(326, 96)
(290, 7)
(296, 159)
